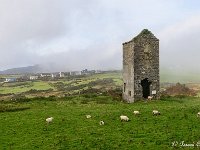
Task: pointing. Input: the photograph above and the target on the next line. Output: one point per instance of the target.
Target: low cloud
(75, 34)
(180, 47)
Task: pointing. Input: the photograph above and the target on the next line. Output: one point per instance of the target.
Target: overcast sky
(78, 34)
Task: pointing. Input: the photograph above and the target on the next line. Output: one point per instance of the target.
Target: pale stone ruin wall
(128, 71)
(140, 61)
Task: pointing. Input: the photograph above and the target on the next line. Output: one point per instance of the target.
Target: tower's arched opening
(145, 87)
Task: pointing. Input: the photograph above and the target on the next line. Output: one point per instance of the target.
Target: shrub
(179, 90)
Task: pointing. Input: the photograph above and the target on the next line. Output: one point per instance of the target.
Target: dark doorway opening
(145, 87)
(124, 87)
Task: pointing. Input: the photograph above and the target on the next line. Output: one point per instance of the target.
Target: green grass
(68, 85)
(41, 85)
(18, 87)
(71, 85)
(71, 130)
(198, 94)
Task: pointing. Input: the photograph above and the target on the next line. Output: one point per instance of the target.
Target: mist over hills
(176, 75)
(166, 74)
(22, 70)
(32, 69)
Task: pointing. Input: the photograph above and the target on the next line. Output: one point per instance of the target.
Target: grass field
(61, 86)
(23, 125)
(71, 85)
(17, 88)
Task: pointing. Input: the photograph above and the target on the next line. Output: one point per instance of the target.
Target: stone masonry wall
(128, 72)
(140, 61)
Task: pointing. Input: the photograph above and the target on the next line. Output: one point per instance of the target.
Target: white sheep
(150, 97)
(101, 122)
(49, 120)
(124, 118)
(198, 114)
(155, 112)
(136, 112)
(88, 116)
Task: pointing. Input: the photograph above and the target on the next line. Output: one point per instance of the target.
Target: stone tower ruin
(141, 67)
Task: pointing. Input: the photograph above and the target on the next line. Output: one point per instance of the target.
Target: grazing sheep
(49, 120)
(150, 97)
(198, 114)
(136, 112)
(101, 122)
(88, 116)
(155, 112)
(124, 118)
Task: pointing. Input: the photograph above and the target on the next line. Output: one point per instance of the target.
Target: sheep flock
(122, 117)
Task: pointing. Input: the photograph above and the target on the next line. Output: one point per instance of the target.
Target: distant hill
(23, 70)
(166, 75)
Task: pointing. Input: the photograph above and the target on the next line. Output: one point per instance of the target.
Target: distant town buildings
(87, 72)
(47, 76)
(10, 79)
(33, 77)
(61, 74)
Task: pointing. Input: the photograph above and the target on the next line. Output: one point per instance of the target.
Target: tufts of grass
(12, 108)
(71, 130)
